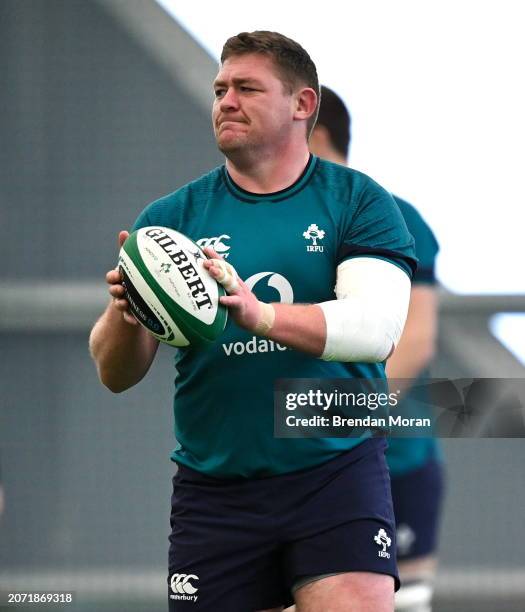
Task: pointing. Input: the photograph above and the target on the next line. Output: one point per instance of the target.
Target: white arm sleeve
(366, 321)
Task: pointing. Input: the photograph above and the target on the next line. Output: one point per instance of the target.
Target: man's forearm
(411, 356)
(123, 353)
(299, 326)
(363, 324)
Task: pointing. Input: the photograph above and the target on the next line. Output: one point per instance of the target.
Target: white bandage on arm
(266, 319)
(366, 320)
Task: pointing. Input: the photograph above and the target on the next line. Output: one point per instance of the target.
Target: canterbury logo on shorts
(180, 583)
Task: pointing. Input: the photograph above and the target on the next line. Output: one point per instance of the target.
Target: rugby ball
(168, 289)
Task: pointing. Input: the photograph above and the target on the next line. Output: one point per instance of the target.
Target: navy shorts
(239, 546)
(417, 498)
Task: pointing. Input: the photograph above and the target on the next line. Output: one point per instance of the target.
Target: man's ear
(305, 103)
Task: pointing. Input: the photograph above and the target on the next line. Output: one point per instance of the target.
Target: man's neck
(271, 173)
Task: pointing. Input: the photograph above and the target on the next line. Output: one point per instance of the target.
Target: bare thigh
(349, 592)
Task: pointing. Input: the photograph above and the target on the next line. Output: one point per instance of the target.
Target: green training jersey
(286, 246)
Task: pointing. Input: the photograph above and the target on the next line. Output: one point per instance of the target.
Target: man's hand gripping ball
(245, 309)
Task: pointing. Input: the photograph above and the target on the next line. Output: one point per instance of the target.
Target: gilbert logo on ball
(168, 289)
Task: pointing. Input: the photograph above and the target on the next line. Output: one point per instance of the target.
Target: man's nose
(229, 100)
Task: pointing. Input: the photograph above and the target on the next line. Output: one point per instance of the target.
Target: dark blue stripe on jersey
(425, 276)
(356, 249)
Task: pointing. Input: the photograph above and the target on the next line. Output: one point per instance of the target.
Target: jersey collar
(276, 196)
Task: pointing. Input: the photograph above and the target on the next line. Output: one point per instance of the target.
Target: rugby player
(320, 288)
(415, 463)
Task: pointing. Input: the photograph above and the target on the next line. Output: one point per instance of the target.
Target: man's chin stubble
(231, 148)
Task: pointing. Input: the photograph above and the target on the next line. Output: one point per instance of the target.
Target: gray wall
(86, 473)
(92, 128)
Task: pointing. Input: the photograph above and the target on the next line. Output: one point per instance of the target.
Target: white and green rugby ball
(168, 289)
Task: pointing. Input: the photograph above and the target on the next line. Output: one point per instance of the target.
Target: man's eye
(219, 93)
(243, 88)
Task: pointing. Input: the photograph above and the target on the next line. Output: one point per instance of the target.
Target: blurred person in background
(415, 463)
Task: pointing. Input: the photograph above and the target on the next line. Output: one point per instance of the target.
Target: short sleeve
(376, 228)
(165, 212)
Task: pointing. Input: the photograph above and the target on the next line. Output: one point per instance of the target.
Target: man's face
(251, 110)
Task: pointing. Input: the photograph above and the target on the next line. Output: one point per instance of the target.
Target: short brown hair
(292, 61)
